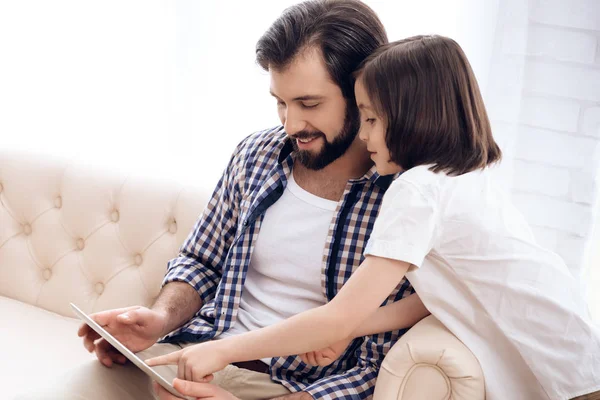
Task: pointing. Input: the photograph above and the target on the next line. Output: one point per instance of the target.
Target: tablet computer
(128, 353)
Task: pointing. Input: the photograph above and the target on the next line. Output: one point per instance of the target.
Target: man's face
(313, 111)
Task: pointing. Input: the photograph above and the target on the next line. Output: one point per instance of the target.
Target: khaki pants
(93, 381)
(591, 396)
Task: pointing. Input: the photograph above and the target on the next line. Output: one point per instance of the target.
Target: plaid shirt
(215, 258)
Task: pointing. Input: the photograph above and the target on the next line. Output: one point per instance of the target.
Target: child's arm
(359, 298)
(401, 314)
(317, 328)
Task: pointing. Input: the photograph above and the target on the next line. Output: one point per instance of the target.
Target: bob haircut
(424, 89)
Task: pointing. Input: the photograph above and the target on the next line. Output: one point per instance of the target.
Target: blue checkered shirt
(215, 258)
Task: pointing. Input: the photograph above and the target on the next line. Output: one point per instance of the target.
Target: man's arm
(192, 278)
(178, 302)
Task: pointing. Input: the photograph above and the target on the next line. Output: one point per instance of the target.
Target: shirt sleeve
(405, 228)
(201, 257)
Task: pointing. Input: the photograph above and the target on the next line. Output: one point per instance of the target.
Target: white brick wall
(584, 188)
(554, 148)
(547, 212)
(543, 98)
(555, 43)
(593, 283)
(557, 114)
(506, 76)
(582, 83)
(542, 179)
(546, 237)
(581, 14)
(591, 122)
(572, 249)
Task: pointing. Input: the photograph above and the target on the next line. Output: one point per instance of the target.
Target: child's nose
(362, 134)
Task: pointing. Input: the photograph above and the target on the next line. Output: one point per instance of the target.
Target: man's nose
(293, 123)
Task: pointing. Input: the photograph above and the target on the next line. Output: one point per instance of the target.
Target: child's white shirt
(479, 270)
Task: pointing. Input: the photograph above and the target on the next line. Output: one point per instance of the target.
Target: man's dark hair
(424, 89)
(345, 32)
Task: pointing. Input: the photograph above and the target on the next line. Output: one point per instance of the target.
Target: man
(283, 231)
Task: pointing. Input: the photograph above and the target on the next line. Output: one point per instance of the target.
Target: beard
(333, 150)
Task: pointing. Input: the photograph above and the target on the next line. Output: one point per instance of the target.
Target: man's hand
(193, 389)
(136, 327)
(326, 356)
(194, 363)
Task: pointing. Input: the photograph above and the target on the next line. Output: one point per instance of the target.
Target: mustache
(307, 135)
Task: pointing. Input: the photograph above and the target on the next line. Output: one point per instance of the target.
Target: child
(467, 251)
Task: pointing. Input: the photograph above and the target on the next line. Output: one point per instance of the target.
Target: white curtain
(166, 87)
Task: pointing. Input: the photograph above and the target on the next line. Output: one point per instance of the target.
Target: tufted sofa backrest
(70, 233)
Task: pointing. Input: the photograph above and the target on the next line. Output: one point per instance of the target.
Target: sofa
(70, 232)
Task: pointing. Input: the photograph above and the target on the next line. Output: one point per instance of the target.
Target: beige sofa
(72, 234)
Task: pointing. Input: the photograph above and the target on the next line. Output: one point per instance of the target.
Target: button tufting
(138, 259)
(27, 229)
(99, 287)
(58, 202)
(173, 227)
(114, 216)
(47, 274)
(80, 244)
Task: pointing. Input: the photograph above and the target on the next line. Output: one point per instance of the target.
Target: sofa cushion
(36, 346)
(98, 239)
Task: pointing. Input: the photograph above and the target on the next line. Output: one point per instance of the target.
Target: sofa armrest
(430, 363)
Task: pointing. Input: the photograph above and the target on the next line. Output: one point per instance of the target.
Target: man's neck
(330, 182)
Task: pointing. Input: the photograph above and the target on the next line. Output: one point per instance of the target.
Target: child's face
(372, 132)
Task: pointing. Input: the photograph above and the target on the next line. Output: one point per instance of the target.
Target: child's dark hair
(425, 90)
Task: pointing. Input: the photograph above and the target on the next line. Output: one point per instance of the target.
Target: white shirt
(284, 276)
(478, 269)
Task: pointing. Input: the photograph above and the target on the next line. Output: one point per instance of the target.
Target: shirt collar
(373, 176)
(285, 149)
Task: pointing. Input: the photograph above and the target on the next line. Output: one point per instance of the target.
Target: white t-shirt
(479, 270)
(285, 272)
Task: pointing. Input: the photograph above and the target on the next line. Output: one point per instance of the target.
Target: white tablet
(128, 353)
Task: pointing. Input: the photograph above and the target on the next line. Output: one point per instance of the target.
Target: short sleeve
(406, 225)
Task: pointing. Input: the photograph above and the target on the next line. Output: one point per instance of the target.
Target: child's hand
(195, 363)
(326, 356)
